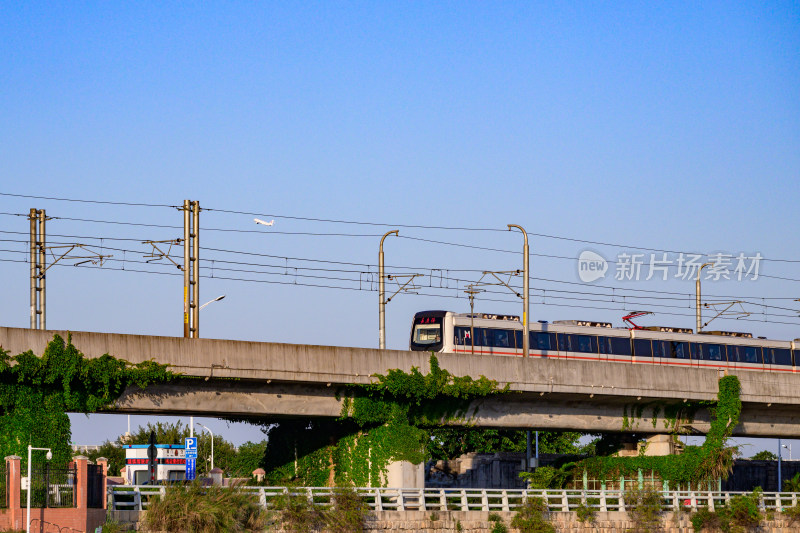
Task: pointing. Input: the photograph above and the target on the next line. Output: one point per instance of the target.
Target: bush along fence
(137, 498)
(434, 510)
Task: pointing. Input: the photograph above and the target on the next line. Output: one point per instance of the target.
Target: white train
(445, 331)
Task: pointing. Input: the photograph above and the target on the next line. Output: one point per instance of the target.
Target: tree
(764, 455)
(249, 457)
(449, 443)
(115, 455)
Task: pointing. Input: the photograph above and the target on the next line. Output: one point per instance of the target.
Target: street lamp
(697, 297)
(212, 443)
(526, 309)
(218, 298)
(382, 293)
(789, 447)
(49, 456)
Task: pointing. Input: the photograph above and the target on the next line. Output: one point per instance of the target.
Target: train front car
(429, 331)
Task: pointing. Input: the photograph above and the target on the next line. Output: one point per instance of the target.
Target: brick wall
(63, 520)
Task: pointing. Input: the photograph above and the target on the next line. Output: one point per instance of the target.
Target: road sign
(190, 469)
(191, 457)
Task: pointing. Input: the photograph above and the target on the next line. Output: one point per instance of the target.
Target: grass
(196, 509)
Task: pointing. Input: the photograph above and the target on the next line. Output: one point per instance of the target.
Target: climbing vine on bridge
(36, 393)
(709, 462)
(385, 421)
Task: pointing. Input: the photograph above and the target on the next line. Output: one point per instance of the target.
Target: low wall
(477, 521)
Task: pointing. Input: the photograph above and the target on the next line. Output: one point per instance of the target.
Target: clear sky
(671, 127)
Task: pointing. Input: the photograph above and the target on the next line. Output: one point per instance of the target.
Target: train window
(642, 348)
(583, 343)
(483, 337)
(711, 352)
(777, 356)
(562, 342)
(678, 350)
(745, 354)
(619, 346)
(427, 333)
(518, 338)
(502, 338)
(660, 348)
(543, 341)
(462, 336)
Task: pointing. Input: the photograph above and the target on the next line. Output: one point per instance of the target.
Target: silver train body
(498, 335)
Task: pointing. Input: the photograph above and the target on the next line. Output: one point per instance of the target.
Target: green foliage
(792, 514)
(792, 485)
(585, 513)
(382, 422)
(532, 517)
(764, 455)
(742, 514)
(711, 461)
(644, 509)
(348, 512)
(197, 509)
(297, 514)
(548, 477)
(114, 527)
(450, 442)
(498, 526)
(114, 453)
(247, 459)
(37, 392)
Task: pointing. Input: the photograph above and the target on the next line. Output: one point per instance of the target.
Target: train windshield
(427, 334)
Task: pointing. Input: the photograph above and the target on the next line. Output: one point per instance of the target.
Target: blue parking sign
(191, 457)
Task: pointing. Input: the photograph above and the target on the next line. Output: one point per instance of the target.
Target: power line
(133, 204)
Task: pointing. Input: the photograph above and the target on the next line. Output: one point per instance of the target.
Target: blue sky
(674, 127)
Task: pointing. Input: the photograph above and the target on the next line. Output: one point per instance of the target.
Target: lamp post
(212, 443)
(218, 298)
(49, 456)
(382, 294)
(697, 297)
(525, 293)
(789, 447)
(779, 465)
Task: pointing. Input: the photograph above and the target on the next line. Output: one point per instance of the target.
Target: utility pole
(697, 298)
(191, 269)
(38, 259)
(382, 294)
(526, 308)
(472, 291)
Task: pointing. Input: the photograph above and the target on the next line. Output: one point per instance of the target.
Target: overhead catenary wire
(618, 306)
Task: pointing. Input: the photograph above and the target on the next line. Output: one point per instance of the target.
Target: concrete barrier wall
(475, 522)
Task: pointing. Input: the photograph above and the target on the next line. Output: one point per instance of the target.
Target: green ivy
(711, 461)
(382, 422)
(36, 393)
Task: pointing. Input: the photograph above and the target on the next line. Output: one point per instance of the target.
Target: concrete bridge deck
(272, 379)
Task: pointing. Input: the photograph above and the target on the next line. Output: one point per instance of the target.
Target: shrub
(644, 509)
(498, 526)
(196, 509)
(296, 513)
(585, 513)
(348, 512)
(792, 514)
(532, 517)
(741, 515)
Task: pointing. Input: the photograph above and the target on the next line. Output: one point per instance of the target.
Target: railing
(380, 499)
(51, 486)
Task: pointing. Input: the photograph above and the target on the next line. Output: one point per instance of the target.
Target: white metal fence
(388, 499)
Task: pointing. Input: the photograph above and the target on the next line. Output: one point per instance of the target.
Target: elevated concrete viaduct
(255, 379)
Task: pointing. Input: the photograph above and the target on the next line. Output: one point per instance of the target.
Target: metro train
(501, 335)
